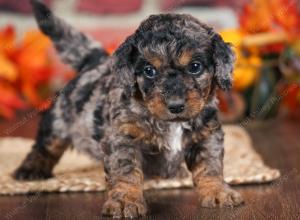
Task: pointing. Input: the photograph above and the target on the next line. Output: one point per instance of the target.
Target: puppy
(142, 111)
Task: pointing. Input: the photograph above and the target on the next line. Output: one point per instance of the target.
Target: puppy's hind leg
(45, 153)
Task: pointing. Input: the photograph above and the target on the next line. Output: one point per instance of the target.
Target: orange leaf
(9, 97)
(33, 58)
(267, 15)
(256, 17)
(8, 70)
(6, 112)
(286, 14)
(31, 94)
(36, 41)
(7, 40)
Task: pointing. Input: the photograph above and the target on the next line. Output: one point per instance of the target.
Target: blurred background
(265, 35)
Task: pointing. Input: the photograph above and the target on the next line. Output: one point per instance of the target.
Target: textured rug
(77, 172)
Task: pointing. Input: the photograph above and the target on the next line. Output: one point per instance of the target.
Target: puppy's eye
(195, 68)
(150, 72)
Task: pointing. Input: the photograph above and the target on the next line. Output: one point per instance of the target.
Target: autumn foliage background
(27, 71)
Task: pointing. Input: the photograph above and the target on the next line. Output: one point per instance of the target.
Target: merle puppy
(142, 111)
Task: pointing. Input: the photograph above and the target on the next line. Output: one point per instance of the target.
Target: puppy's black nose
(176, 107)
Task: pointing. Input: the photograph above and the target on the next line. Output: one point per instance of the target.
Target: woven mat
(77, 172)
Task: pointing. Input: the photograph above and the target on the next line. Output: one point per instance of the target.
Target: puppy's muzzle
(175, 93)
(176, 106)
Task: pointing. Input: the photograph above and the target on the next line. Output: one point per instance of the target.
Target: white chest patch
(175, 137)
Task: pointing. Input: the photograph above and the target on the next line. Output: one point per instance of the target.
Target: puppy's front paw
(23, 173)
(127, 202)
(123, 208)
(220, 195)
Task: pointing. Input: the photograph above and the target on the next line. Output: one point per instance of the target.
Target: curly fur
(116, 114)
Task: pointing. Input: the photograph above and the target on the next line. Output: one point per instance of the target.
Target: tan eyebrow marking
(156, 62)
(185, 58)
(153, 59)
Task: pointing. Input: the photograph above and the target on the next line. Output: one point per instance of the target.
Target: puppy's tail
(75, 48)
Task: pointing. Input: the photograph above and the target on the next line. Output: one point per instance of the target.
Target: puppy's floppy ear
(224, 58)
(125, 56)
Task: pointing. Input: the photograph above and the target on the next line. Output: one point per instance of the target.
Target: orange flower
(256, 17)
(8, 69)
(7, 39)
(286, 14)
(9, 100)
(270, 15)
(26, 71)
(33, 58)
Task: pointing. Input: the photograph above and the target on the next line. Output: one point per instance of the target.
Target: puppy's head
(172, 64)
